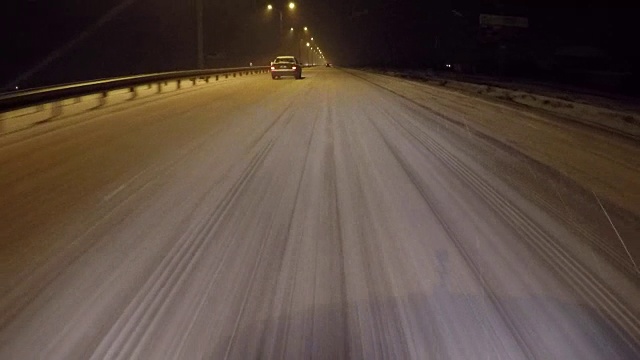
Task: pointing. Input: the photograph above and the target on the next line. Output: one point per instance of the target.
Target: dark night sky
(159, 35)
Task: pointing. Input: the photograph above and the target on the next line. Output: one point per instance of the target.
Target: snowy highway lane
(324, 218)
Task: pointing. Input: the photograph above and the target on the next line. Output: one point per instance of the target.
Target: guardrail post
(103, 99)
(56, 109)
(159, 87)
(217, 77)
(179, 84)
(234, 74)
(226, 76)
(134, 92)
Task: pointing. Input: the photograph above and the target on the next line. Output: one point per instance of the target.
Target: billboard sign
(489, 20)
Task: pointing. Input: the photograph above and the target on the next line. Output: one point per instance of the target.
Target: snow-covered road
(344, 215)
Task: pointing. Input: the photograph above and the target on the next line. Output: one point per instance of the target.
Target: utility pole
(200, 33)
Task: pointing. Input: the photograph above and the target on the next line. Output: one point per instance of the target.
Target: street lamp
(301, 39)
(200, 34)
(291, 6)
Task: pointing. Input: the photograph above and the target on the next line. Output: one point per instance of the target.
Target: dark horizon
(147, 37)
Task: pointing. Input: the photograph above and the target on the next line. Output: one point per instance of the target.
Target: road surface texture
(344, 215)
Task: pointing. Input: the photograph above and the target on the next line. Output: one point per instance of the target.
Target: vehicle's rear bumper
(284, 72)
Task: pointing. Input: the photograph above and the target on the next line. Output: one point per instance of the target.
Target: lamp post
(270, 7)
(300, 39)
(312, 53)
(200, 34)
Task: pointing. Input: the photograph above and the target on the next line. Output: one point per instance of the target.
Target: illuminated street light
(306, 29)
(271, 7)
(311, 39)
(308, 44)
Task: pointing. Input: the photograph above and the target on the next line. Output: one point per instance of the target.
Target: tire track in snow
(130, 328)
(579, 278)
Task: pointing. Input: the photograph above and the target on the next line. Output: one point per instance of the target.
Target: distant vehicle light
(273, 68)
(295, 67)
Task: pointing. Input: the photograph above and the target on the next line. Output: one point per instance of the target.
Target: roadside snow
(622, 117)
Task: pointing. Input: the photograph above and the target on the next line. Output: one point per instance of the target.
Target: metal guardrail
(20, 99)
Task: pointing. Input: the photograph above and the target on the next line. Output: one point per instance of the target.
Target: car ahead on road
(286, 66)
